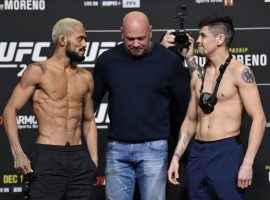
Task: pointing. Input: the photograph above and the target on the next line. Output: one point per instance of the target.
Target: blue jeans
(146, 162)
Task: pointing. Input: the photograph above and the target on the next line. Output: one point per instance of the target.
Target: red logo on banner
(1, 120)
(100, 180)
(228, 3)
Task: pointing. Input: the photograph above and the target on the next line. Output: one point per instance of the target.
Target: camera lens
(181, 40)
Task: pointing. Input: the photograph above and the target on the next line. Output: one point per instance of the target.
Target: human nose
(198, 40)
(83, 43)
(136, 43)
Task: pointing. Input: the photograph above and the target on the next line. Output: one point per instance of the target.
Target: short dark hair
(220, 23)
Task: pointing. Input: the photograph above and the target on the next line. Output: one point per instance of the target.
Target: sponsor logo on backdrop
(13, 54)
(267, 168)
(101, 116)
(4, 190)
(241, 54)
(108, 3)
(17, 189)
(23, 5)
(27, 122)
(1, 120)
(209, 1)
(14, 181)
(131, 3)
(100, 181)
(90, 3)
(20, 54)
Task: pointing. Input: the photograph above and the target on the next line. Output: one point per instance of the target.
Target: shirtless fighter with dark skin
(61, 94)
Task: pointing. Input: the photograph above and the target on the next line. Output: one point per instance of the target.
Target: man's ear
(62, 40)
(150, 31)
(122, 33)
(220, 39)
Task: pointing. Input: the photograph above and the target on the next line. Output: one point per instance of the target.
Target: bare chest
(225, 91)
(57, 86)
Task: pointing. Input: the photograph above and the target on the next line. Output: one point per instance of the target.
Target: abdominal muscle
(223, 122)
(59, 121)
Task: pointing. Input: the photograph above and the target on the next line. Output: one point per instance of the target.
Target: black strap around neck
(221, 72)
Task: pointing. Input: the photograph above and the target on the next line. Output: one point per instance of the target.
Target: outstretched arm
(21, 94)
(251, 99)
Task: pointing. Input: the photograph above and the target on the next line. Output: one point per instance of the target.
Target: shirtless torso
(62, 101)
(226, 118)
(58, 102)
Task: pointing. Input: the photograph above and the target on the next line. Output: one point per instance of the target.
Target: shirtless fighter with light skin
(61, 94)
(217, 164)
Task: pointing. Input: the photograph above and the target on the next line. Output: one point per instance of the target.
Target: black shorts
(62, 172)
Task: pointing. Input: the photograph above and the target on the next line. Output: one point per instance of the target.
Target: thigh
(151, 171)
(49, 180)
(83, 173)
(119, 172)
(196, 174)
(223, 176)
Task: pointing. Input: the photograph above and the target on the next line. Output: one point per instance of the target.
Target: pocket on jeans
(159, 145)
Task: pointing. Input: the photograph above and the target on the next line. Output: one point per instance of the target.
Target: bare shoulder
(86, 76)
(242, 73)
(85, 73)
(37, 68)
(33, 73)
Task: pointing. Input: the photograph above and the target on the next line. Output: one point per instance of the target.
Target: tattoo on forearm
(192, 66)
(187, 137)
(180, 149)
(191, 69)
(247, 75)
(200, 73)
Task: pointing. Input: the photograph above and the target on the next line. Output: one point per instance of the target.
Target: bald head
(135, 19)
(136, 33)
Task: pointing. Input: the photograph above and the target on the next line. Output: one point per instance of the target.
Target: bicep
(249, 92)
(192, 106)
(251, 98)
(26, 87)
(21, 94)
